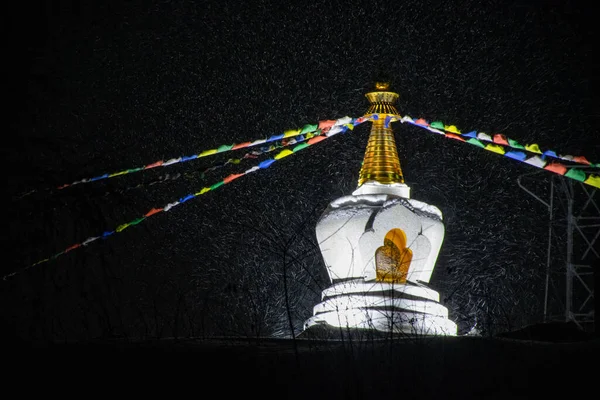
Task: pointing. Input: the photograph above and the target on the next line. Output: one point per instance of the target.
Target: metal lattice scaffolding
(573, 250)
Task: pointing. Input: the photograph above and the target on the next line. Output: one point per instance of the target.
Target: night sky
(106, 87)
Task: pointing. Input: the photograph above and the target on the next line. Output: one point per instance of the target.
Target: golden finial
(381, 163)
(383, 100)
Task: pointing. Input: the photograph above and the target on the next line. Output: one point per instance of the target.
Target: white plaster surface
(362, 286)
(349, 233)
(385, 321)
(344, 303)
(353, 227)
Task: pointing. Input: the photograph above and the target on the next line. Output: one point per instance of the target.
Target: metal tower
(573, 252)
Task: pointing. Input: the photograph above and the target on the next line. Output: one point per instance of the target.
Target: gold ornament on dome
(381, 163)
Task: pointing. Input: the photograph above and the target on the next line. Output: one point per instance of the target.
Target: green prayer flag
(300, 147)
(216, 185)
(515, 144)
(576, 174)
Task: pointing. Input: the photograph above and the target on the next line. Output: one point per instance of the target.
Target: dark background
(98, 88)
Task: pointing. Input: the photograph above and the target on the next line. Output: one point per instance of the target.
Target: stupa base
(409, 308)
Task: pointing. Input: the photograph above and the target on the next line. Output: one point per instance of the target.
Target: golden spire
(381, 163)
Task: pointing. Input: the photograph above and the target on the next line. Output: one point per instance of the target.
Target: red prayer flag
(153, 211)
(326, 125)
(156, 164)
(241, 145)
(454, 136)
(72, 247)
(316, 139)
(232, 177)
(500, 139)
(557, 168)
(581, 159)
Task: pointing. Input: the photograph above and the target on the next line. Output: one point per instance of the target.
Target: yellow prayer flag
(122, 227)
(291, 132)
(207, 153)
(284, 153)
(593, 180)
(452, 128)
(495, 148)
(534, 148)
(118, 173)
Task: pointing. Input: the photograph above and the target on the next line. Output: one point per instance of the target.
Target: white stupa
(380, 246)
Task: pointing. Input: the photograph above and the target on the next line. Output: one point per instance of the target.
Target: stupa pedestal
(364, 240)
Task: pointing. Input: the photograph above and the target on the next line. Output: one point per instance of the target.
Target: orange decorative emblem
(393, 258)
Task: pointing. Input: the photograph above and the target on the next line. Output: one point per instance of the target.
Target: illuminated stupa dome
(380, 246)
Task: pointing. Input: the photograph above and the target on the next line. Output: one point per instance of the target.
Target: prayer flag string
(235, 161)
(500, 144)
(329, 128)
(290, 133)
